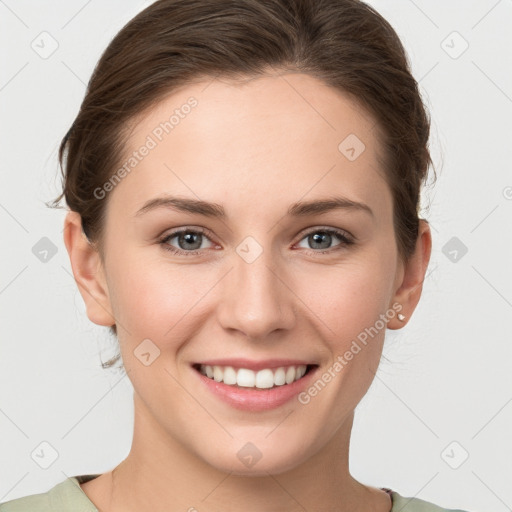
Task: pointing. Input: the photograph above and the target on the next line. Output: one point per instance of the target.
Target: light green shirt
(68, 496)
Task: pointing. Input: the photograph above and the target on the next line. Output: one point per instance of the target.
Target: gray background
(445, 391)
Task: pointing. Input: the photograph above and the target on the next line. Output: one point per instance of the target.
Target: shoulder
(59, 498)
(405, 504)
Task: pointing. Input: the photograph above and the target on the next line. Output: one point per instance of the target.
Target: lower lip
(254, 399)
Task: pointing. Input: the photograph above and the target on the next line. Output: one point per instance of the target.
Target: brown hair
(172, 43)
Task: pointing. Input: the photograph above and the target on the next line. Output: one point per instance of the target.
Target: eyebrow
(207, 209)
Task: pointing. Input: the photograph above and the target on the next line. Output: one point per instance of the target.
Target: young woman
(243, 180)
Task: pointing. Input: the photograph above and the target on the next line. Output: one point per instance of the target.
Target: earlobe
(410, 287)
(87, 271)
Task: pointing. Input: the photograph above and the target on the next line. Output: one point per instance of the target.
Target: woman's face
(270, 280)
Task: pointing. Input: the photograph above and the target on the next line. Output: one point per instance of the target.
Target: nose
(256, 298)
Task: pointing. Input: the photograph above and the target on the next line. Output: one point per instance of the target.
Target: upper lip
(255, 365)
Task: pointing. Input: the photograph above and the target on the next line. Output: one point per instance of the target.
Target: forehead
(286, 136)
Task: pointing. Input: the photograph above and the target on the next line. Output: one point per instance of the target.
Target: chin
(251, 460)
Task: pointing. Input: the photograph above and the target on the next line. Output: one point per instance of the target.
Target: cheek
(349, 297)
(150, 300)
(159, 300)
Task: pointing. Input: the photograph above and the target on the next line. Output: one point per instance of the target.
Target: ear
(411, 277)
(88, 271)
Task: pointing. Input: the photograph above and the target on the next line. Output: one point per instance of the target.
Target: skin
(254, 148)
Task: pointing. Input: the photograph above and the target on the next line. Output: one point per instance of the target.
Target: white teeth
(262, 379)
(290, 375)
(218, 374)
(244, 377)
(229, 375)
(279, 377)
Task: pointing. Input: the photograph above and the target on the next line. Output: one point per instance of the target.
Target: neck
(160, 473)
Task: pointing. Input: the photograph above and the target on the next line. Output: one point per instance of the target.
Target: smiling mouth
(267, 378)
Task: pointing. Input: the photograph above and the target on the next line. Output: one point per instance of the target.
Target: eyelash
(344, 238)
